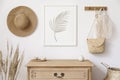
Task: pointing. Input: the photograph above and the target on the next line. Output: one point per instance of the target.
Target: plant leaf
(59, 23)
(19, 65)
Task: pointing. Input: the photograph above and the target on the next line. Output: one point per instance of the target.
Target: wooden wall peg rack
(96, 8)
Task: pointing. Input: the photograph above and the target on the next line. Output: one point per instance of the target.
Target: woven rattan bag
(99, 32)
(96, 45)
(112, 73)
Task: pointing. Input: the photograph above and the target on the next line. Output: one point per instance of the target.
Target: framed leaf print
(60, 25)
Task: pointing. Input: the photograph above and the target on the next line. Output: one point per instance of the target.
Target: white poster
(60, 25)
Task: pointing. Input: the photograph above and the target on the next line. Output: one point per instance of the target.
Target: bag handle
(96, 15)
(91, 28)
(106, 65)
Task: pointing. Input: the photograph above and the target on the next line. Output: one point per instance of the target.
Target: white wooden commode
(59, 70)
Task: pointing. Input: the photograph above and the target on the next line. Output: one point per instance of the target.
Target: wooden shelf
(94, 8)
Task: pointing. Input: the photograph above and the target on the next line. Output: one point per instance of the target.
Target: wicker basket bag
(96, 45)
(99, 32)
(112, 73)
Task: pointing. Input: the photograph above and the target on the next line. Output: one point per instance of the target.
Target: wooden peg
(94, 8)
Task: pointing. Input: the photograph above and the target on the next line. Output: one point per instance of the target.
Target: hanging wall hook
(95, 8)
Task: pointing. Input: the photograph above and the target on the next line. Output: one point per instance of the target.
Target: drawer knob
(59, 76)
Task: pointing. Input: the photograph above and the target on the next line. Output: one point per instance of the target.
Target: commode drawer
(59, 70)
(59, 73)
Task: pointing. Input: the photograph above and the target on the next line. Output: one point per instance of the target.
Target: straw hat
(22, 21)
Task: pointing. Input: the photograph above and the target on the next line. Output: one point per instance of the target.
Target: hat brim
(31, 16)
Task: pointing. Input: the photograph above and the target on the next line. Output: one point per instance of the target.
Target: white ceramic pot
(81, 58)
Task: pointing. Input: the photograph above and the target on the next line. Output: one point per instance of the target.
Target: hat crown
(21, 21)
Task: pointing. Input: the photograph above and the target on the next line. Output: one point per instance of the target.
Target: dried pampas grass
(0, 61)
(10, 67)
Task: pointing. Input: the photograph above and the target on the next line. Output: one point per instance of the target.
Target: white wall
(33, 45)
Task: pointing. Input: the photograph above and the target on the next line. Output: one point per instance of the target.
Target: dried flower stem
(9, 68)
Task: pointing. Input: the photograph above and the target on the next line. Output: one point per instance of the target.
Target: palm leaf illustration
(59, 23)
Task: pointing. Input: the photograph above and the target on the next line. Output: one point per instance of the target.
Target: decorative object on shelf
(113, 73)
(100, 31)
(22, 21)
(10, 66)
(61, 25)
(81, 58)
(40, 59)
